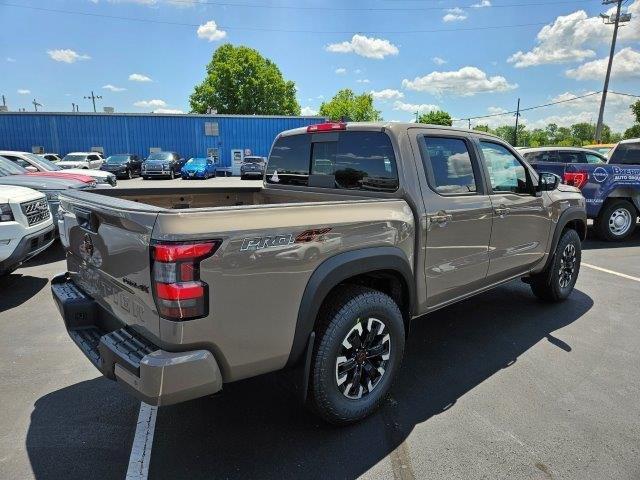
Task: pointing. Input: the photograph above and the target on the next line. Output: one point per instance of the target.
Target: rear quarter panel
(255, 292)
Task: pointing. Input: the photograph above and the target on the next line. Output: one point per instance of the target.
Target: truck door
(458, 217)
(520, 222)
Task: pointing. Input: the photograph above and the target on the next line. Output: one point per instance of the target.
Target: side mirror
(548, 182)
(30, 168)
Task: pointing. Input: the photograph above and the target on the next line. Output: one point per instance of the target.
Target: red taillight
(326, 127)
(575, 179)
(177, 289)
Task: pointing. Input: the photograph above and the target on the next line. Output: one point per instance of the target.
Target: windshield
(159, 156)
(117, 159)
(43, 163)
(253, 160)
(75, 158)
(7, 167)
(197, 161)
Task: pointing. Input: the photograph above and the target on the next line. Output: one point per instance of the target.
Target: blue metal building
(226, 136)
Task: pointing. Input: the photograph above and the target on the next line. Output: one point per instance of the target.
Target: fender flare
(569, 215)
(335, 270)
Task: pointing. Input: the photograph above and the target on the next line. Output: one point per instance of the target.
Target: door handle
(501, 210)
(441, 218)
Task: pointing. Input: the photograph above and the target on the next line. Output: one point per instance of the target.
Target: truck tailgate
(107, 244)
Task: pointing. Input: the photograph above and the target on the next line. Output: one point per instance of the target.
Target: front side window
(448, 165)
(591, 158)
(506, 172)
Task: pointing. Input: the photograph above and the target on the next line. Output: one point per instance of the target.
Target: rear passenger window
(448, 165)
(571, 157)
(345, 160)
(541, 157)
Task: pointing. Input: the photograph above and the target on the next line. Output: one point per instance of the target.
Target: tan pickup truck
(359, 228)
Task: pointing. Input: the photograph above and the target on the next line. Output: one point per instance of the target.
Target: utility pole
(4, 101)
(608, 20)
(36, 104)
(515, 132)
(93, 97)
(469, 123)
(417, 116)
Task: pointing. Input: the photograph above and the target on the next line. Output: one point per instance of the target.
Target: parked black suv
(123, 165)
(162, 164)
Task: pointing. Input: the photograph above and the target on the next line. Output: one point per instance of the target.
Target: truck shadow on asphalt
(16, 289)
(258, 429)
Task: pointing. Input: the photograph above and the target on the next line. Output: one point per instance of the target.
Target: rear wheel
(556, 282)
(358, 353)
(616, 221)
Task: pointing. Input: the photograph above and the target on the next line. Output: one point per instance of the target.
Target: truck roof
(396, 127)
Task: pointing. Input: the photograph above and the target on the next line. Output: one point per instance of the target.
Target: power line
(362, 9)
(261, 29)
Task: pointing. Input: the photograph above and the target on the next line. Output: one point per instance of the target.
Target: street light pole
(603, 100)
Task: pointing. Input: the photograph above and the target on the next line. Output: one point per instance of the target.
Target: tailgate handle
(85, 220)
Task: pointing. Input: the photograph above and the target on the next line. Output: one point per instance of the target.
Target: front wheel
(555, 283)
(357, 355)
(616, 221)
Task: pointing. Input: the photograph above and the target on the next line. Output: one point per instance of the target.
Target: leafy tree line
(241, 81)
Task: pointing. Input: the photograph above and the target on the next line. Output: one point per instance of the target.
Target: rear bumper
(121, 353)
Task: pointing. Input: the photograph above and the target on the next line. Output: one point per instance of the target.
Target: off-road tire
(547, 285)
(602, 226)
(337, 317)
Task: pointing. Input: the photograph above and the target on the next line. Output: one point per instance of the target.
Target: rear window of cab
(349, 160)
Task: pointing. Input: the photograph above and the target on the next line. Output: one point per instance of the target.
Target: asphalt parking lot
(499, 386)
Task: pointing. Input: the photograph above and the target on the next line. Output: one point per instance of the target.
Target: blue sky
(412, 54)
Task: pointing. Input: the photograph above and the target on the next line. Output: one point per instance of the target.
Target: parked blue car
(198, 167)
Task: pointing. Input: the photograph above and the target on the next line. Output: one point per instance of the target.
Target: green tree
(635, 108)
(538, 137)
(584, 132)
(241, 81)
(347, 105)
(483, 128)
(633, 132)
(436, 117)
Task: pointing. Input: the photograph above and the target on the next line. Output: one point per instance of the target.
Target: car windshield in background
(44, 164)
(197, 161)
(159, 156)
(626, 154)
(345, 160)
(602, 150)
(253, 160)
(74, 158)
(7, 167)
(117, 159)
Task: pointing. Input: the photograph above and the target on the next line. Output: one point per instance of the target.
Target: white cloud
(210, 31)
(167, 110)
(150, 103)
(308, 111)
(439, 61)
(364, 46)
(482, 4)
(362, 80)
(413, 107)
(138, 77)
(464, 82)
(11, 60)
(24, 91)
(455, 15)
(341, 71)
(387, 94)
(66, 55)
(113, 88)
(571, 38)
(357, 71)
(626, 64)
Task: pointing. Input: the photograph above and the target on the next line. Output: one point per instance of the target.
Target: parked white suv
(88, 160)
(26, 226)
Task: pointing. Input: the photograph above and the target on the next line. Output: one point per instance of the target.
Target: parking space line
(606, 270)
(142, 443)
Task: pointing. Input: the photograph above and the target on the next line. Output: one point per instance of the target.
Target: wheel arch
(385, 268)
(574, 218)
